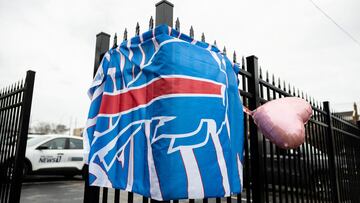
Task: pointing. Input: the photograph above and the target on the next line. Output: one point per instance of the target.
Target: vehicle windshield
(35, 140)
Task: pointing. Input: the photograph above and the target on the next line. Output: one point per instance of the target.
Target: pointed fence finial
(125, 34)
(355, 110)
(279, 83)
(151, 23)
(234, 57)
(191, 32)
(243, 62)
(203, 37)
(267, 76)
(177, 25)
(260, 71)
(294, 92)
(224, 50)
(115, 41)
(289, 88)
(137, 29)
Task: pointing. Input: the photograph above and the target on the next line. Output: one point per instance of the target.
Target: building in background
(352, 116)
(78, 131)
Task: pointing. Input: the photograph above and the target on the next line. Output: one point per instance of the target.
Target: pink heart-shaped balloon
(282, 121)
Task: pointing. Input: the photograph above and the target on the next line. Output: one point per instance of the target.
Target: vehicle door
(74, 153)
(51, 154)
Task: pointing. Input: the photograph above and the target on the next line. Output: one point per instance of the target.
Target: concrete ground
(57, 189)
(44, 189)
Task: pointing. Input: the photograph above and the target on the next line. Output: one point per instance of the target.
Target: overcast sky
(292, 39)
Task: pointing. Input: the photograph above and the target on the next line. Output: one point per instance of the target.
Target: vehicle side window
(76, 144)
(58, 143)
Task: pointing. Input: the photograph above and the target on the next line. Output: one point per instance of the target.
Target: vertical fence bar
(130, 197)
(21, 141)
(332, 162)
(105, 195)
(3, 179)
(256, 139)
(91, 193)
(13, 146)
(6, 148)
(11, 150)
(264, 142)
(117, 196)
(247, 173)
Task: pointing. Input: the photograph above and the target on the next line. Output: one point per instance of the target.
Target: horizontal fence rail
(326, 168)
(15, 105)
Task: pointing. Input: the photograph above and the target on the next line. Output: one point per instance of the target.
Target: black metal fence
(326, 168)
(15, 106)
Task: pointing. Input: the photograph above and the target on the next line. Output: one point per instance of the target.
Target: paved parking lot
(52, 189)
(56, 189)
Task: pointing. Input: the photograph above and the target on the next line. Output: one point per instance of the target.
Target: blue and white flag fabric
(165, 119)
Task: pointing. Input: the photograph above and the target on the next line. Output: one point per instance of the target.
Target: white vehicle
(54, 154)
(31, 136)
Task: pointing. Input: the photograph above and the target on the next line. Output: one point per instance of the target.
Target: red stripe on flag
(112, 104)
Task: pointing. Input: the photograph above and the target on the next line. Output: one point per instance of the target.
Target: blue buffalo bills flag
(165, 119)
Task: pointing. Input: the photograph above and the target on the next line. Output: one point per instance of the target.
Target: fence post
(164, 13)
(102, 46)
(331, 154)
(256, 139)
(91, 193)
(23, 133)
